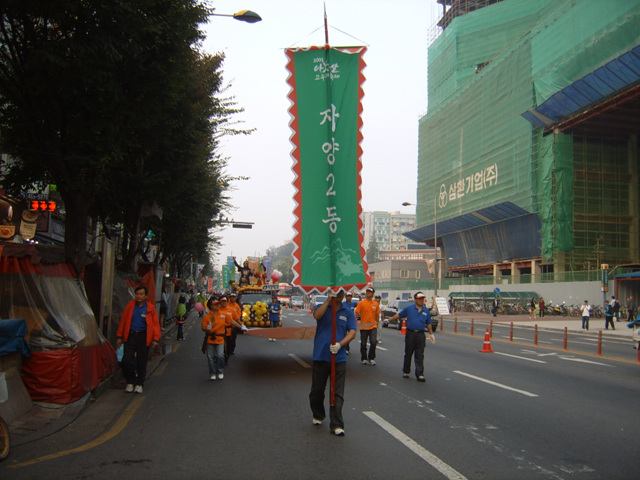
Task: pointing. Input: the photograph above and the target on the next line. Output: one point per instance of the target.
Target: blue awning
(611, 79)
(484, 216)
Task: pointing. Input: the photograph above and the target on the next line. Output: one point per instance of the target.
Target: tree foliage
(112, 101)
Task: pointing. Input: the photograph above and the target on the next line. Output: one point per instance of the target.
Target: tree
(110, 101)
(373, 253)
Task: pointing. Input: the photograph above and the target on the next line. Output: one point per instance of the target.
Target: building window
(404, 273)
(417, 273)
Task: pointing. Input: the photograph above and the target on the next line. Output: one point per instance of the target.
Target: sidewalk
(45, 419)
(573, 324)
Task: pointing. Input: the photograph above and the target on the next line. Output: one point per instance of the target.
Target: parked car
(396, 306)
(319, 300)
(297, 302)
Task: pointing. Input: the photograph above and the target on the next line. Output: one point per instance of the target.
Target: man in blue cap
(418, 320)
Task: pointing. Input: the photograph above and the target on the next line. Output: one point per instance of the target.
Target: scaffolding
(488, 67)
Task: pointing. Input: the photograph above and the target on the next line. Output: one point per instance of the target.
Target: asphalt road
(522, 412)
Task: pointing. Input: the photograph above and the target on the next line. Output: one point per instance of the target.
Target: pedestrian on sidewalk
(418, 320)
(585, 311)
(541, 306)
(323, 349)
(631, 309)
(368, 313)
(139, 329)
(181, 313)
(214, 326)
(608, 316)
(496, 305)
(615, 305)
(532, 309)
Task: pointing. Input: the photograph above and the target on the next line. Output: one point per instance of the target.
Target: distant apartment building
(387, 229)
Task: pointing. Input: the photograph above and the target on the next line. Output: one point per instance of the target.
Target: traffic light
(42, 206)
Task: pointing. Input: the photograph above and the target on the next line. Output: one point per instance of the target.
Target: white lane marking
(521, 358)
(448, 471)
(582, 360)
(382, 348)
(496, 384)
(297, 321)
(299, 360)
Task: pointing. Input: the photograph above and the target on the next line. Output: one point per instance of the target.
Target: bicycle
(5, 443)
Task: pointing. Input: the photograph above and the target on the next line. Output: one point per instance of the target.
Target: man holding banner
(323, 350)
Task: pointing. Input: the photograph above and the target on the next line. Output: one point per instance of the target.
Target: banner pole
(326, 27)
(332, 394)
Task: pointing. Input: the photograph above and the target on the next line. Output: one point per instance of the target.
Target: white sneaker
(129, 388)
(338, 432)
(213, 377)
(364, 362)
(317, 422)
(220, 376)
(372, 362)
(138, 389)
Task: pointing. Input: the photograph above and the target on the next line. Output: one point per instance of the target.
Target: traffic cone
(403, 330)
(295, 309)
(486, 348)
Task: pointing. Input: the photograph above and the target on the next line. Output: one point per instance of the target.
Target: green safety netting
(475, 149)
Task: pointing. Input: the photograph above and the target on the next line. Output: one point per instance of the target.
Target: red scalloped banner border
(295, 154)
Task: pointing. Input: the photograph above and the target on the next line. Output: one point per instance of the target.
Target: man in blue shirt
(418, 319)
(322, 351)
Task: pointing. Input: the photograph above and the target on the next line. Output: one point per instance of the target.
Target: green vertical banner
(326, 93)
(226, 276)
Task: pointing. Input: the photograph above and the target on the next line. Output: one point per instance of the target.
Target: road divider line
(446, 470)
(299, 360)
(521, 358)
(496, 384)
(112, 432)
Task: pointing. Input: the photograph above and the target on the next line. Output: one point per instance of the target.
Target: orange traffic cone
(295, 309)
(403, 330)
(486, 348)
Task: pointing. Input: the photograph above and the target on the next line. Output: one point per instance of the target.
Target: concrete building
(387, 228)
(531, 140)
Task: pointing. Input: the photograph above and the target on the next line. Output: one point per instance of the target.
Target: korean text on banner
(326, 92)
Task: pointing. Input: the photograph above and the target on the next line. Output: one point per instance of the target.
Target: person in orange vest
(139, 329)
(214, 325)
(232, 319)
(367, 313)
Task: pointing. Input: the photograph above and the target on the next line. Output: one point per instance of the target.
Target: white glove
(432, 338)
(208, 327)
(331, 294)
(335, 348)
(244, 328)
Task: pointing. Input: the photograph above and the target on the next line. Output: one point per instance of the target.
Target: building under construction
(530, 145)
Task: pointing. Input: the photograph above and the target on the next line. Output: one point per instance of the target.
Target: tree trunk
(75, 231)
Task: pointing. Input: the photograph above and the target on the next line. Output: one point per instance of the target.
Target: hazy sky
(395, 97)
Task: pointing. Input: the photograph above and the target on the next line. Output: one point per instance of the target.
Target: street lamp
(243, 15)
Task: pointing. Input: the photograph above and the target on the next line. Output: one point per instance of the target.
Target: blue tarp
(12, 333)
(612, 78)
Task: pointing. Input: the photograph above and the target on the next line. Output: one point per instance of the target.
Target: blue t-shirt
(139, 318)
(345, 321)
(274, 311)
(416, 319)
(350, 305)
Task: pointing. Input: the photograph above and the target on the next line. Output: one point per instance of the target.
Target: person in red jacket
(139, 328)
